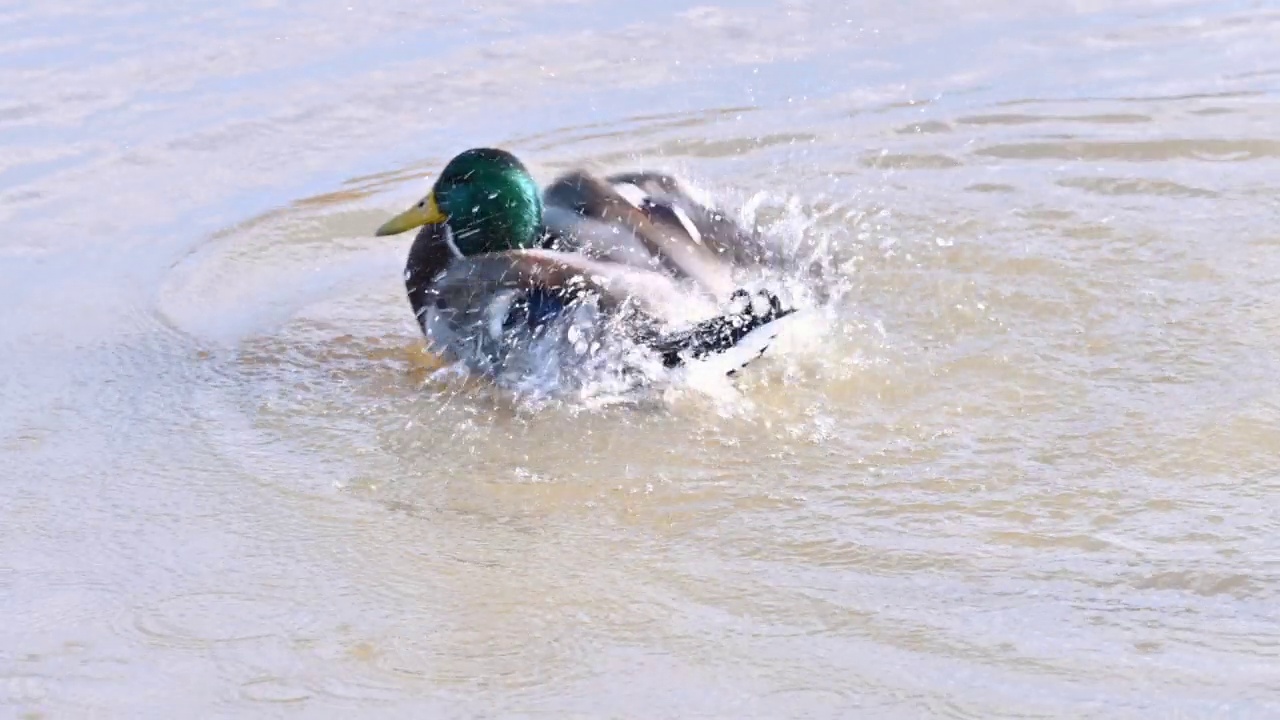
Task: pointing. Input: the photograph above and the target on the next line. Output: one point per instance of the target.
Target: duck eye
(422, 203)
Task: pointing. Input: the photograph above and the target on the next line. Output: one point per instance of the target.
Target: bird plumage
(631, 258)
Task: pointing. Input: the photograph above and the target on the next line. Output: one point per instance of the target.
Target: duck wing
(667, 199)
(571, 275)
(613, 221)
(483, 307)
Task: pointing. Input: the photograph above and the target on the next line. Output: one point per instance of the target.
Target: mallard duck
(500, 266)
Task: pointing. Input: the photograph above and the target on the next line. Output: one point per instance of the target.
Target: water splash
(588, 364)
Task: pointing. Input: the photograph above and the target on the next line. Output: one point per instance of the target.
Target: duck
(501, 267)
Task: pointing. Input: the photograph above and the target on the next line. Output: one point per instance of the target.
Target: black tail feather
(747, 313)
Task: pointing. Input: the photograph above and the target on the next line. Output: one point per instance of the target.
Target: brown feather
(671, 246)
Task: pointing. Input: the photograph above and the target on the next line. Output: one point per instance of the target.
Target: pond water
(1021, 463)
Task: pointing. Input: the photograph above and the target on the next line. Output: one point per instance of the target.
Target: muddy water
(1021, 462)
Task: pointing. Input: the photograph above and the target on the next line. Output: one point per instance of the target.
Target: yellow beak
(426, 212)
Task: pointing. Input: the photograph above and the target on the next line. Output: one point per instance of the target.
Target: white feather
(687, 222)
(632, 194)
(496, 313)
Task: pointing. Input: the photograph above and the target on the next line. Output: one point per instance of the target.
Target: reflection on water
(1020, 464)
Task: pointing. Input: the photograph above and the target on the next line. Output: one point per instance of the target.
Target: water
(1021, 466)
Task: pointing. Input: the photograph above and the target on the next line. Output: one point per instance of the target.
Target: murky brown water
(1025, 465)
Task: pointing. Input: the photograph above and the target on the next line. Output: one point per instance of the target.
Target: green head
(487, 198)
